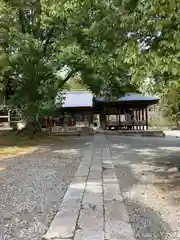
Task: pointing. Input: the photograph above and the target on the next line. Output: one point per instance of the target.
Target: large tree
(108, 43)
(158, 36)
(40, 38)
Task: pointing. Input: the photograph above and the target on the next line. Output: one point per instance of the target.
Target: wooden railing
(132, 124)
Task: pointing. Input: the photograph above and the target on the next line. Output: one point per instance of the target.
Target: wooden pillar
(146, 118)
(105, 118)
(9, 118)
(82, 116)
(117, 116)
(72, 119)
(137, 126)
(143, 118)
(139, 118)
(133, 127)
(119, 113)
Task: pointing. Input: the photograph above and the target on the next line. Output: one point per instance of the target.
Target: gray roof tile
(82, 98)
(132, 97)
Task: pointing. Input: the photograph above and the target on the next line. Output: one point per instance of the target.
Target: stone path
(92, 208)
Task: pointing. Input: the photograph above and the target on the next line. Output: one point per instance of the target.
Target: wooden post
(143, 117)
(82, 116)
(146, 118)
(139, 118)
(133, 127)
(117, 116)
(50, 124)
(107, 119)
(9, 117)
(119, 113)
(103, 119)
(46, 122)
(137, 126)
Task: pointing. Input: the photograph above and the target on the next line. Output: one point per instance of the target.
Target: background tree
(108, 43)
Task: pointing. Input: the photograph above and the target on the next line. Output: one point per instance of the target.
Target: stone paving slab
(93, 207)
(118, 230)
(64, 224)
(91, 217)
(115, 210)
(93, 188)
(117, 226)
(111, 192)
(75, 191)
(96, 168)
(94, 181)
(89, 235)
(94, 199)
(83, 171)
(95, 175)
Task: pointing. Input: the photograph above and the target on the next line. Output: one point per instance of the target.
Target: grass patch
(6, 151)
(14, 144)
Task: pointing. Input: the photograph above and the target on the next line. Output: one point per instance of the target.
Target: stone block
(117, 226)
(116, 211)
(91, 217)
(108, 165)
(94, 188)
(94, 182)
(95, 175)
(109, 176)
(112, 192)
(82, 171)
(89, 235)
(96, 168)
(75, 191)
(118, 230)
(93, 198)
(64, 223)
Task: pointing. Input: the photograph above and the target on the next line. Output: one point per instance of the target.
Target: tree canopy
(112, 45)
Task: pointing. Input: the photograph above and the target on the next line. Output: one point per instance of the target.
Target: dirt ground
(150, 183)
(34, 176)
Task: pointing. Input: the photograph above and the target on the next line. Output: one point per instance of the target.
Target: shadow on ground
(148, 177)
(33, 185)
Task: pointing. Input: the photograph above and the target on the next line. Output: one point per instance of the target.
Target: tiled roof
(82, 98)
(132, 97)
(78, 98)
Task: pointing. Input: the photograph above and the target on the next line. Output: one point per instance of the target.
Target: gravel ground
(32, 186)
(150, 183)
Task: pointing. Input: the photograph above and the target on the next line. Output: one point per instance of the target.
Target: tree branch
(48, 39)
(22, 21)
(36, 19)
(72, 72)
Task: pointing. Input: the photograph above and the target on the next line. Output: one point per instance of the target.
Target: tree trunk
(32, 127)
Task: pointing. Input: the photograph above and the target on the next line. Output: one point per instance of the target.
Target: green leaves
(109, 44)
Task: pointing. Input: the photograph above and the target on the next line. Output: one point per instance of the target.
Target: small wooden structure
(129, 112)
